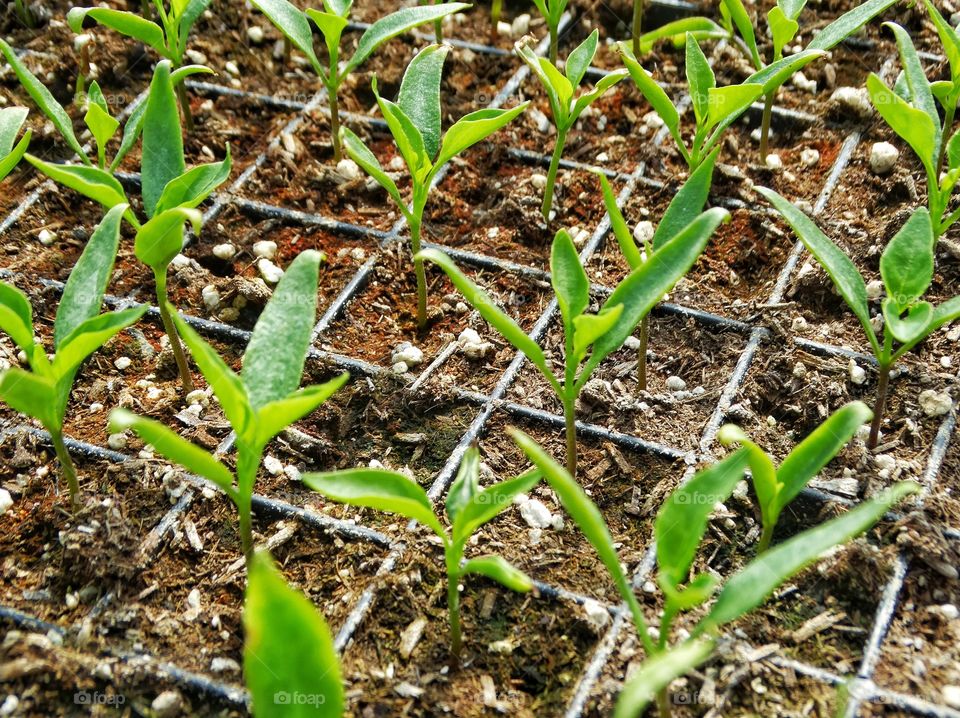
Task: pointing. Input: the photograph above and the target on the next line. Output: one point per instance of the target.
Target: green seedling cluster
(331, 22)
(468, 508)
(415, 121)
(566, 105)
(906, 268)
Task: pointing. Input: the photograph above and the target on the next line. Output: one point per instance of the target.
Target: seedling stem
(67, 467)
(552, 174)
(765, 126)
(183, 368)
(882, 386)
(637, 26)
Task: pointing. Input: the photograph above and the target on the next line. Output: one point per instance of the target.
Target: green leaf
(848, 23)
(175, 448)
(792, 8)
(276, 416)
(588, 328)
(102, 127)
(701, 80)
(702, 28)
(762, 470)
(569, 279)
(600, 89)
(646, 285)
(12, 158)
(406, 136)
(162, 145)
(226, 385)
(195, 185)
(696, 593)
(16, 316)
(682, 520)
(185, 71)
(395, 24)
(11, 120)
(87, 283)
(948, 39)
(126, 23)
(906, 265)
(818, 449)
(657, 673)
(557, 87)
(45, 101)
(292, 22)
(92, 182)
(911, 328)
(331, 27)
(90, 336)
(944, 314)
(726, 104)
(31, 395)
(775, 74)
(581, 509)
(473, 128)
(362, 155)
(738, 13)
(782, 28)
(466, 485)
(192, 13)
(750, 587)
(920, 94)
(655, 95)
(419, 96)
(160, 240)
(289, 660)
(487, 504)
(377, 489)
(841, 269)
(340, 7)
(274, 359)
(482, 302)
(578, 61)
(131, 133)
(913, 125)
(619, 225)
(501, 571)
(687, 203)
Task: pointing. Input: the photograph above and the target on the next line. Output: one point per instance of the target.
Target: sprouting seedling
(906, 268)
(679, 530)
(168, 39)
(170, 192)
(683, 209)
(590, 338)
(288, 652)
(496, 12)
(468, 508)
(332, 21)
(262, 401)
(910, 110)
(415, 123)
(565, 105)
(783, 25)
(79, 330)
(552, 11)
(25, 14)
(11, 151)
(777, 487)
(714, 108)
(675, 31)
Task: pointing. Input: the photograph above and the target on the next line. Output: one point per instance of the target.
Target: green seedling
(332, 21)
(566, 105)
(496, 12)
(168, 39)
(25, 14)
(415, 123)
(289, 661)
(777, 487)
(590, 338)
(79, 330)
(11, 151)
(906, 268)
(675, 32)
(679, 530)
(683, 209)
(170, 192)
(910, 109)
(782, 26)
(714, 108)
(468, 508)
(259, 403)
(552, 11)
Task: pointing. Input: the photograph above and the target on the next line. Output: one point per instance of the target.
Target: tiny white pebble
(273, 465)
(117, 442)
(349, 170)
(675, 383)
(810, 157)
(270, 272)
(123, 363)
(774, 163)
(224, 251)
(46, 237)
(539, 181)
(255, 34)
(6, 501)
(883, 157)
(265, 249)
(857, 373)
(231, 68)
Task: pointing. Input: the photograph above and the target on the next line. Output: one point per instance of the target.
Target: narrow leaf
(419, 96)
(126, 23)
(906, 265)
(487, 504)
(16, 316)
(657, 673)
(569, 279)
(473, 128)
(466, 485)
(160, 240)
(847, 24)
(701, 81)
(578, 61)
(687, 204)
(91, 182)
(913, 125)
(195, 185)
(162, 145)
(501, 571)
(738, 13)
(276, 416)
(362, 155)
(90, 336)
(291, 21)
(31, 395)
(619, 225)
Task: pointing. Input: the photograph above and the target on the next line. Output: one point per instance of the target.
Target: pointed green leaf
(701, 28)
(466, 485)
(473, 128)
(276, 416)
(726, 104)
(913, 125)
(419, 96)
(657, 673)
(289, 660)
(362, 155)
(274, 359)
(16, 316)
(160, 240)
(131, 133)
(738, 13)
(487, 504)
(175, 448)
(162, 144)
(11, 120)
(682, 520)
(377, 489)
(775, 74)
(31, 395)
(619, 225)
(687, 203)
(331, 27)
(569, 279)
(292, 22)
(948, 39)
(944, 314)
(696, 593)
(554, 83)
(102, 127)
(90, 336)
(92, 182)
(12, 159)
(906, 265)
(406, 136)
(782, 28)
(501, 571)
(126, 23)
(45, 101)
(841, 269)
(588, 328)
(921, 97)
(762, 471)
(578, 61)
(654, 94)
(195, 185)
(750, 587)
(701, 81)
(598, 91)
(87, 283)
